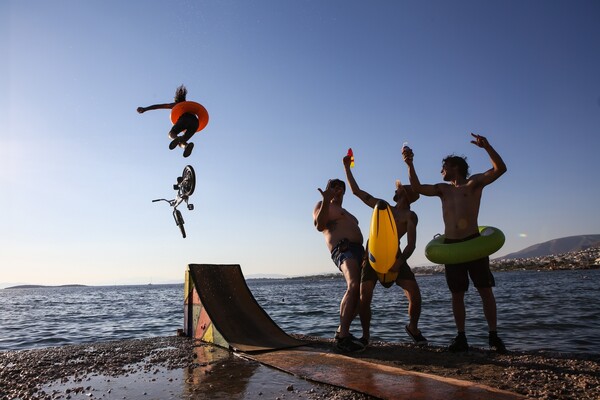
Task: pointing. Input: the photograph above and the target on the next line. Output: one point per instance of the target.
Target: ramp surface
(235, 312)
(381, 381)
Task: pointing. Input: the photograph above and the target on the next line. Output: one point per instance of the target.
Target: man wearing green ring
(461, 198)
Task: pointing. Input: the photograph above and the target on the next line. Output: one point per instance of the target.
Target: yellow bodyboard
(383, 238)
(388, 277)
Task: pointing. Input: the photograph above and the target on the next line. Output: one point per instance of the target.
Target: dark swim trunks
(457, 275)
(345, 250)
(369, 274)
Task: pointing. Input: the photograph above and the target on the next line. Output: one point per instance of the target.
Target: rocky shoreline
(81, 371)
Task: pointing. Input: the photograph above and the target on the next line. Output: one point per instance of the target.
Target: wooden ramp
(381, 381)
(228, 313)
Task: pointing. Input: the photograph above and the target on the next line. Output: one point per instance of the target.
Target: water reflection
(220, 374)
(215, 374)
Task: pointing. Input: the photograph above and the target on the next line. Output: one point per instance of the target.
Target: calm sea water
(556, 310)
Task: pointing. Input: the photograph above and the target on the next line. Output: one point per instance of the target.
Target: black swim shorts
(187, 122)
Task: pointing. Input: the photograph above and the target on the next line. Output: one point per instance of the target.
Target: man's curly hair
(180, 94)
(460, 162)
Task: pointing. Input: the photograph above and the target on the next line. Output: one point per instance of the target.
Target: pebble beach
(179, 368)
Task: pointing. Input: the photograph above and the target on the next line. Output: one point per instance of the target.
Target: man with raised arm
(406, 224)
(187, 122)
(344, 241)
(461, 198)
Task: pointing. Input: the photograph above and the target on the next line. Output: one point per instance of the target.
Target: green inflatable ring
(490, 241)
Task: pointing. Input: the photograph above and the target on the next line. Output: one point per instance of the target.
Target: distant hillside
(43, 286)
(266, 276)
(556, 246)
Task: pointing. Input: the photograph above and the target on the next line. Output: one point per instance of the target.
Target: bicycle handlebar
(173, 203)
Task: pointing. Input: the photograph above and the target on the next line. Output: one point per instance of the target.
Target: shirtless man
(461, 198)
(344, 240)
(187, 122)
(406, 224)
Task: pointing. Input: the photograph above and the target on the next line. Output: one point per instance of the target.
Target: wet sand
(176, 368)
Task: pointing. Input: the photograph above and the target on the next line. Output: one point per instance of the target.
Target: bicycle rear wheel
(188, 183)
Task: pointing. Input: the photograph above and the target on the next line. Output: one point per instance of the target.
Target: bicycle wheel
(179, 221)
(188, 183)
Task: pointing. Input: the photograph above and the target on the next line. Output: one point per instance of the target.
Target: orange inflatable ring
(193, 108)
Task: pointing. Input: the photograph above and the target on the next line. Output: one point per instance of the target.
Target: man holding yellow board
(405, 221)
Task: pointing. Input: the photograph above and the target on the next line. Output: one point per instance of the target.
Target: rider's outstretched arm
(156, 107)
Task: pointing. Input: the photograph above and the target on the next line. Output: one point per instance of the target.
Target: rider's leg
(187, 135)
(188, 123)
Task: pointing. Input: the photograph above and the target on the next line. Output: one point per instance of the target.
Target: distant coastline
(43, 286)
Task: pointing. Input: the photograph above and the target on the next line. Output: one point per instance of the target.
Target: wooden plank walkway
(378, 380)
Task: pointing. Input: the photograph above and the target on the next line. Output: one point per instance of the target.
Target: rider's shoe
(174, 143)
(188, 149)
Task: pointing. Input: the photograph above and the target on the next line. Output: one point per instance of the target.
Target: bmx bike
(185, 186)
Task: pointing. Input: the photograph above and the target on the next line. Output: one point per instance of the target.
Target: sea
(554, 311)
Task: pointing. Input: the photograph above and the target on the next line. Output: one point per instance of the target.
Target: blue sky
(289, 86)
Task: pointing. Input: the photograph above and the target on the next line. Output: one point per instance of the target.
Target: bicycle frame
(185, 187)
